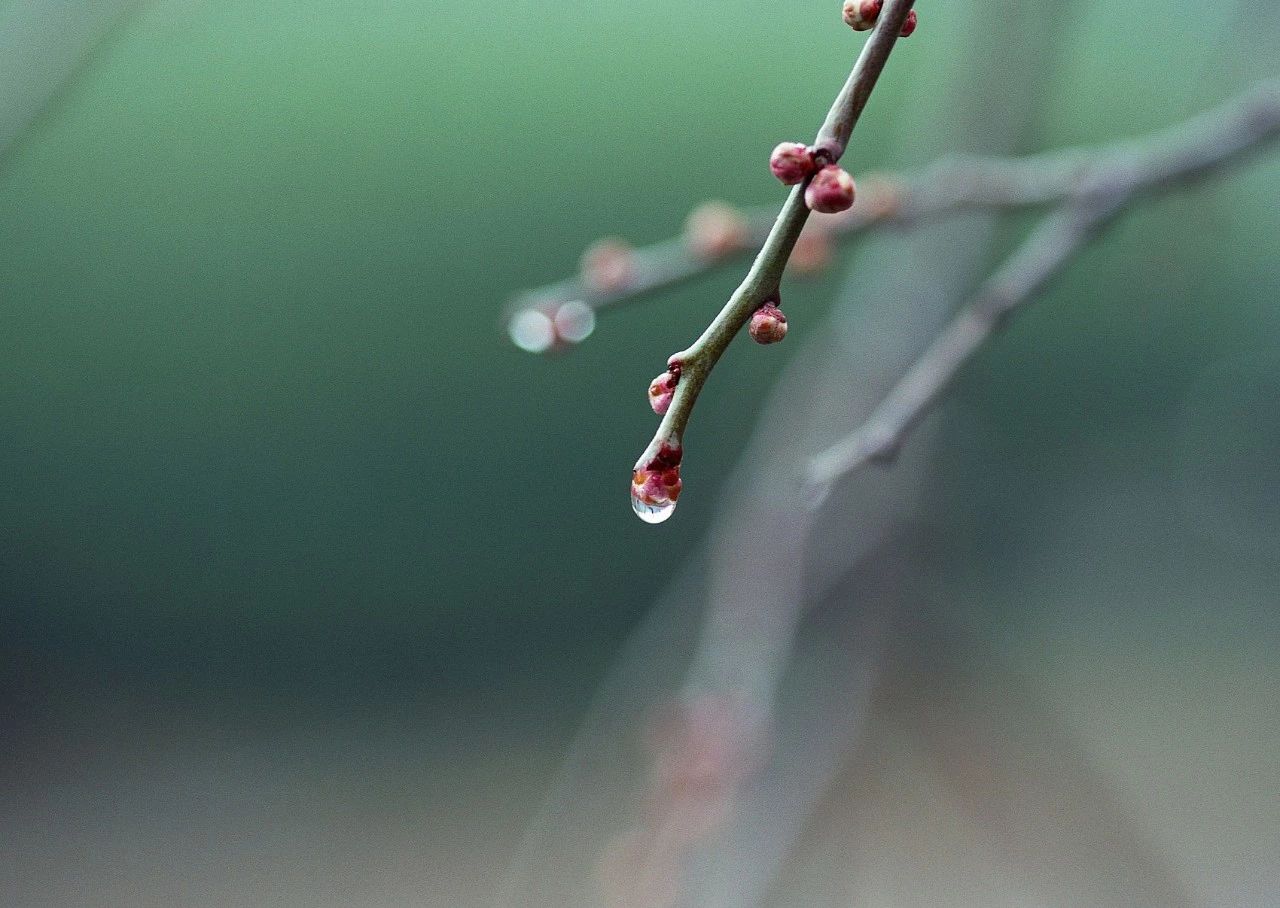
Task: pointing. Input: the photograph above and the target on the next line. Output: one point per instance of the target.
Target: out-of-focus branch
(44, 44)
(1101, 188)
(670, 262)
(955, 183)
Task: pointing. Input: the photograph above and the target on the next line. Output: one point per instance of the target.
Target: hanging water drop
(656, 486)
(651, 512)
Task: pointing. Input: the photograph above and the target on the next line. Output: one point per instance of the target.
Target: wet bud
(909, 25)
(830, 191)
(533, 330)
(861, 15)
(791, 162)
(574, 321)
(662, 389)
(608, 265)
(813, 251)
(768, 325)
(551, 327)
(715, 230)
(655, 486)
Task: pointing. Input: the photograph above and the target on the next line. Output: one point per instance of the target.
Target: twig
(673, 261)
(696, 362)
(1100, 190)
(955, 183)
(44, 46)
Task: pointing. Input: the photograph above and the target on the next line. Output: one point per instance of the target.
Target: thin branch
(44, 46)
(1101, 190)
(762, 280)
(955, 183)
(674, 261)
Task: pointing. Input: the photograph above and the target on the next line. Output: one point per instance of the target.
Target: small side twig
(953, 184)
(676, 260)
(1101, 191)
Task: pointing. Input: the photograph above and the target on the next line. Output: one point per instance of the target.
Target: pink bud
(704, 749)
(861, 15)
(830, 191)
(813, 250)
(768, 325)
(715, 230)
(574, 321)
(608, 265)
(791, 162)
(882, 197)
(662, 389)
(909, 25)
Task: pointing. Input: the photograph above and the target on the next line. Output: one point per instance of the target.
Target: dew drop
(651, 512)
(532, 330)
(654, 489)
(574, 321)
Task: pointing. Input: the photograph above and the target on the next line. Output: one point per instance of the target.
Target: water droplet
(532, 330)
(654, 490)
(574, 321)
(650, 512)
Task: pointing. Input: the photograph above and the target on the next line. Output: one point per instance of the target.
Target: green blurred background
(306, 574)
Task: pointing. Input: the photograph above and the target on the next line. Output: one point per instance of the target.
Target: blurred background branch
(955, 183)
(43, 44)
(1103, 184)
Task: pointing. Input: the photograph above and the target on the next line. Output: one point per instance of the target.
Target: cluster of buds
(663, 388)
(655, 486)
(861, 15)
(829, 191)
(768, 325)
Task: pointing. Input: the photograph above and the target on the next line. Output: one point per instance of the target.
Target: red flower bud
(860, 15)
(768, 325)
(662, 389)
(909, 25)
(791, 162)
(830, 191)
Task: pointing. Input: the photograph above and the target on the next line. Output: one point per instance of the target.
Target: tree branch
(1099, 191)
(955, 183)
(761, 283)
